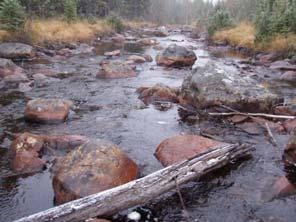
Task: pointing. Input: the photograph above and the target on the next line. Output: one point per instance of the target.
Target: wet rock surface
(47, 110)
(290, 151)
(116, 70)
(178, 148)
(176, 56)
(210, 86)
(25, 154)
(158, 93)
(8, 68)
(16, 51)
(93, 167)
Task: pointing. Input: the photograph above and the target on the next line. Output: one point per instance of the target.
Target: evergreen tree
(12, 15)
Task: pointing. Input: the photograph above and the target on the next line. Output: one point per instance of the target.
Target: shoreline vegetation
(244, 35)
(50, 31)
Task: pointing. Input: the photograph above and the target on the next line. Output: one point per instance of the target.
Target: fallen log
(142, 190)
(253, 114)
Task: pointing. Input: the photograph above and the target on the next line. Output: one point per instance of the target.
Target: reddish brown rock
(148, 58)
(176, 56)
(250, 127)
(25, 153)
(289, 76)
(148, 42)
(16, 78)
(290, 125)
(93, 167)
(284, 110)
(238, 118)
(158, 93)
(282, 188)
(290, 151)
(113, 53)
(26, 149)
(8, 68)
(116, 70)
(118, 38)
(47, 110)
(180, 148)
(137, 59)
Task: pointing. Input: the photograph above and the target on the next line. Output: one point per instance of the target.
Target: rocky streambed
(78, 119)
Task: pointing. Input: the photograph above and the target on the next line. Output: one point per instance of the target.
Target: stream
(111, 110)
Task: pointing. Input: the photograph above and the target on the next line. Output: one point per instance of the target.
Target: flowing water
(110, 109)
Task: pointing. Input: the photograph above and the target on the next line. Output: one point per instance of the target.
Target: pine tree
(70, 10)
(12, 15)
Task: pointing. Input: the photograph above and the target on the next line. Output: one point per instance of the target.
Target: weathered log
(142, 190)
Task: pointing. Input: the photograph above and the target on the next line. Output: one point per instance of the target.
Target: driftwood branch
(253, 114)
(142, 190)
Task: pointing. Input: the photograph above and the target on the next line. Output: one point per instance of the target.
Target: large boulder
(211, 85)
(47, 110)
(16, 51)
(8, 68)
(176, 56)
(91, 168)
(158, 93)
(179, 148)
(116, 70)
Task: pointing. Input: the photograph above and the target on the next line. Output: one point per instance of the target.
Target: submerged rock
(16, 51)
(179, 148)
(47, 110)
(158, 93)
(116, 70)
(176, 56)
(159, 32)
(93, 167)
(282, 187)
(211, 86)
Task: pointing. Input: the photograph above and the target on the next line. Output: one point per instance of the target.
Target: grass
(241, 35)
(57, 31)
(244, 35)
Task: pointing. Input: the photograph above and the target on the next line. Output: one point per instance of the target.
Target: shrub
(219, 20)
(12, 15)
(115, 23)
(275, 17)
(70, 10)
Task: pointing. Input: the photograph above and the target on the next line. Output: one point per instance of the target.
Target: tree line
(271, 17)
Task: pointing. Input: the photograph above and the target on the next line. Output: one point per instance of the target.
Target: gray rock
(283, 65)
(16, 51)
(176, 56)
(211, 85)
